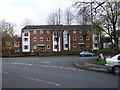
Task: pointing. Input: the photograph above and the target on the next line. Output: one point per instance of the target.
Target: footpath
(90, 66)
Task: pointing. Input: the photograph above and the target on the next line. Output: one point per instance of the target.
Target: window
(48, 46)
(55, 46)
(74, 38)
(74, 45)
(34, 47)
(118, 57)
(48, 38)
(88, 45)
(25, 34)
(34, 32)
(41, 38)
(41, 31)
(81, 38)
(74, 31)
(25, 47)
(48, 31)
(25, 39)
(96, 45)
(66, 45)
(87, 38)
(34, 39)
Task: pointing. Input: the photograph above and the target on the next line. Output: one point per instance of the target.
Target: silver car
(113, 64)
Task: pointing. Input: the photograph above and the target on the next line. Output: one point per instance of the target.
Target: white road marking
(40, 80)
(21, 63)
(3, 72)
(48, 66)
(46, 62)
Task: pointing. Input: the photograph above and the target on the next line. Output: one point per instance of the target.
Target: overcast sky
(36, 10)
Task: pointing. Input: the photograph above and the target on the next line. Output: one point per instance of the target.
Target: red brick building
(42, 38)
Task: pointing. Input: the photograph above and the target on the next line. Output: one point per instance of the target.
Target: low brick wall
(105, 53)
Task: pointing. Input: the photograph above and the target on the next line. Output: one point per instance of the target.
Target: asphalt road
(52, 72)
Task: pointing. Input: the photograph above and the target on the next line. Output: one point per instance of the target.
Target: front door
(42, 48)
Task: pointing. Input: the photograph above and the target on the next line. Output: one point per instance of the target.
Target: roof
(62, 27)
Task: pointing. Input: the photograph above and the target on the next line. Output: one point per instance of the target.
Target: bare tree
(108, 14)
(55, 18)
(27, 21)
(7, 30)
(68, 19)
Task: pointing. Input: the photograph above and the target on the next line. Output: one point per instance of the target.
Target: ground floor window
(42, 48)
(66, 45)
(35, 47)
(48, 46)
(81, 46)
(55, 46)
(26, 47)
(74, 45)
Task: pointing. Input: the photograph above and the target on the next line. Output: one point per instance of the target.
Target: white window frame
(35, 47)
(41, 39)
(88, 38)
(48, 46)
(48, 31)
(34, 32)
(41, 31)
(47, 38)
(87, 45)
(74, 31)
(25, 40)
(34, 39)
(74, 38)
(25, 34)
(74, 45)
(81, 37)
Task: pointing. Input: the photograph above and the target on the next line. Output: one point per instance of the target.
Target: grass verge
(100, 62)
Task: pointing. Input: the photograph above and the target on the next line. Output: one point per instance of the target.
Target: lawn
(101, 61)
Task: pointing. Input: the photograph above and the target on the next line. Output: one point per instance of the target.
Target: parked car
(86, 53)
(113, 64)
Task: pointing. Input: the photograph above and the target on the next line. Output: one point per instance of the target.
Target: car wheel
(116, 70)
(82, 55)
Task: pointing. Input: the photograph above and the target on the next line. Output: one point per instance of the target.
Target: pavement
(88, 65)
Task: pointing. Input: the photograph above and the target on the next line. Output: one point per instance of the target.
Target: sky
(16, 11)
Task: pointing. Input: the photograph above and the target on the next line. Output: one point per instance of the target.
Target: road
(52, 72)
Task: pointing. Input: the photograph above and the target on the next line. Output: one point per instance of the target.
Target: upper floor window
(74, 31)
(74, 38)
(87, 38)
(34, 32)
(34, 39)
(81, 38)
(41, 38)
(48, 31)
(48, 38)
(25, 34)
(25, 39)
(41, 31)
(35, 47)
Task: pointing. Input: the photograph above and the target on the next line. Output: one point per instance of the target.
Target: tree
(7, 31)
(108, 15)
(68, 19)
(55, 19)
(27, 21)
